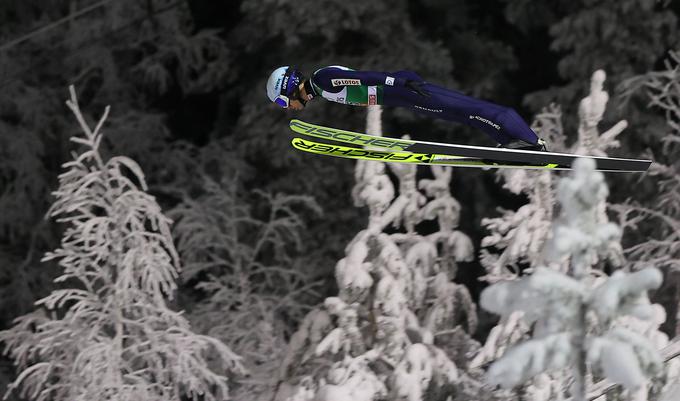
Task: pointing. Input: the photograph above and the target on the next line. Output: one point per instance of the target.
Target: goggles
(283, 101)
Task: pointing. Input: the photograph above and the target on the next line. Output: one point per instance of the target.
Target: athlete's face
(295, 105)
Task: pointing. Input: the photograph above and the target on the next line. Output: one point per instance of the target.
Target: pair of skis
(355, 145)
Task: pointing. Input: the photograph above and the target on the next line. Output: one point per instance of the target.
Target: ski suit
(343, 85)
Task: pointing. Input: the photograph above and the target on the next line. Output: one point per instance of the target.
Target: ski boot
(518, 144)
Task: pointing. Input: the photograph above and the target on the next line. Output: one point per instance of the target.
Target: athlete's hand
(417, 87)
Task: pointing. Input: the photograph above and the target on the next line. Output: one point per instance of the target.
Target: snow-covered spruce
(662, 90)
(518, 238)
(576, 317)
(519, 235)
(249, 263)
(109, 333)
(658, 217)
(399, 326)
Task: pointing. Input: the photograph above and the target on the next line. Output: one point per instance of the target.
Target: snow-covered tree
(658, 217)
(575, 312)
(590, 111)
(243, 254)
(655, 220)
(108, 333)
(520, 236)
(399, 327)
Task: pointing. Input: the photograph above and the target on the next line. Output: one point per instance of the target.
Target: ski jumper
(362, 88)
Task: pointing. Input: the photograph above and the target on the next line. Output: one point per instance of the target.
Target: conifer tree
(108, 333)
(399, 328)
(520, 235)
(654, 220)
(657, 218)
(578, 321)
(244, 254)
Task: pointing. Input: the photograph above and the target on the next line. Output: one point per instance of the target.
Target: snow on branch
(531, 358)
(662, 88)
(582, 233)
(590, 113)
(544, 294)
(624, 293)
(517, 237)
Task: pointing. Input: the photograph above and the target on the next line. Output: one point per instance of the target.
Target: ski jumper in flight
(289, 88)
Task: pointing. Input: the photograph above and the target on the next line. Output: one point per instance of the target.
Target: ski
(408, 157)
(421, 152)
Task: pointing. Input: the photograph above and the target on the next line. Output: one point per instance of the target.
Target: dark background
(185, 81)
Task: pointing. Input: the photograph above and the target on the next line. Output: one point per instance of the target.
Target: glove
(417, 87)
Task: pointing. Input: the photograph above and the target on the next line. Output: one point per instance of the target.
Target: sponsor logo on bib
(345, 82)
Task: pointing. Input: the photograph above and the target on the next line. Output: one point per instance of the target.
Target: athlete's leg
(515, 126)
(501, 123)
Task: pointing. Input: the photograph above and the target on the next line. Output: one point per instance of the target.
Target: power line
(53, 25)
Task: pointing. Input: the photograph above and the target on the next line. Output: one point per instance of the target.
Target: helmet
(283, 84)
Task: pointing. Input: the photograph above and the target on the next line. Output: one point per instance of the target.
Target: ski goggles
(283, 101)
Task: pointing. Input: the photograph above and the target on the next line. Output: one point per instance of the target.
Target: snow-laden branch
(530, 358)
(590, 112)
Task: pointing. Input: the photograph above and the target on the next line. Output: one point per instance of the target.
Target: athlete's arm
(330, 77)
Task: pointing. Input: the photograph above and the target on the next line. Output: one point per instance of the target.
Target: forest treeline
(185, 83)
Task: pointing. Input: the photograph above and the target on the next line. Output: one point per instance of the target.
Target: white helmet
(282, 84)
